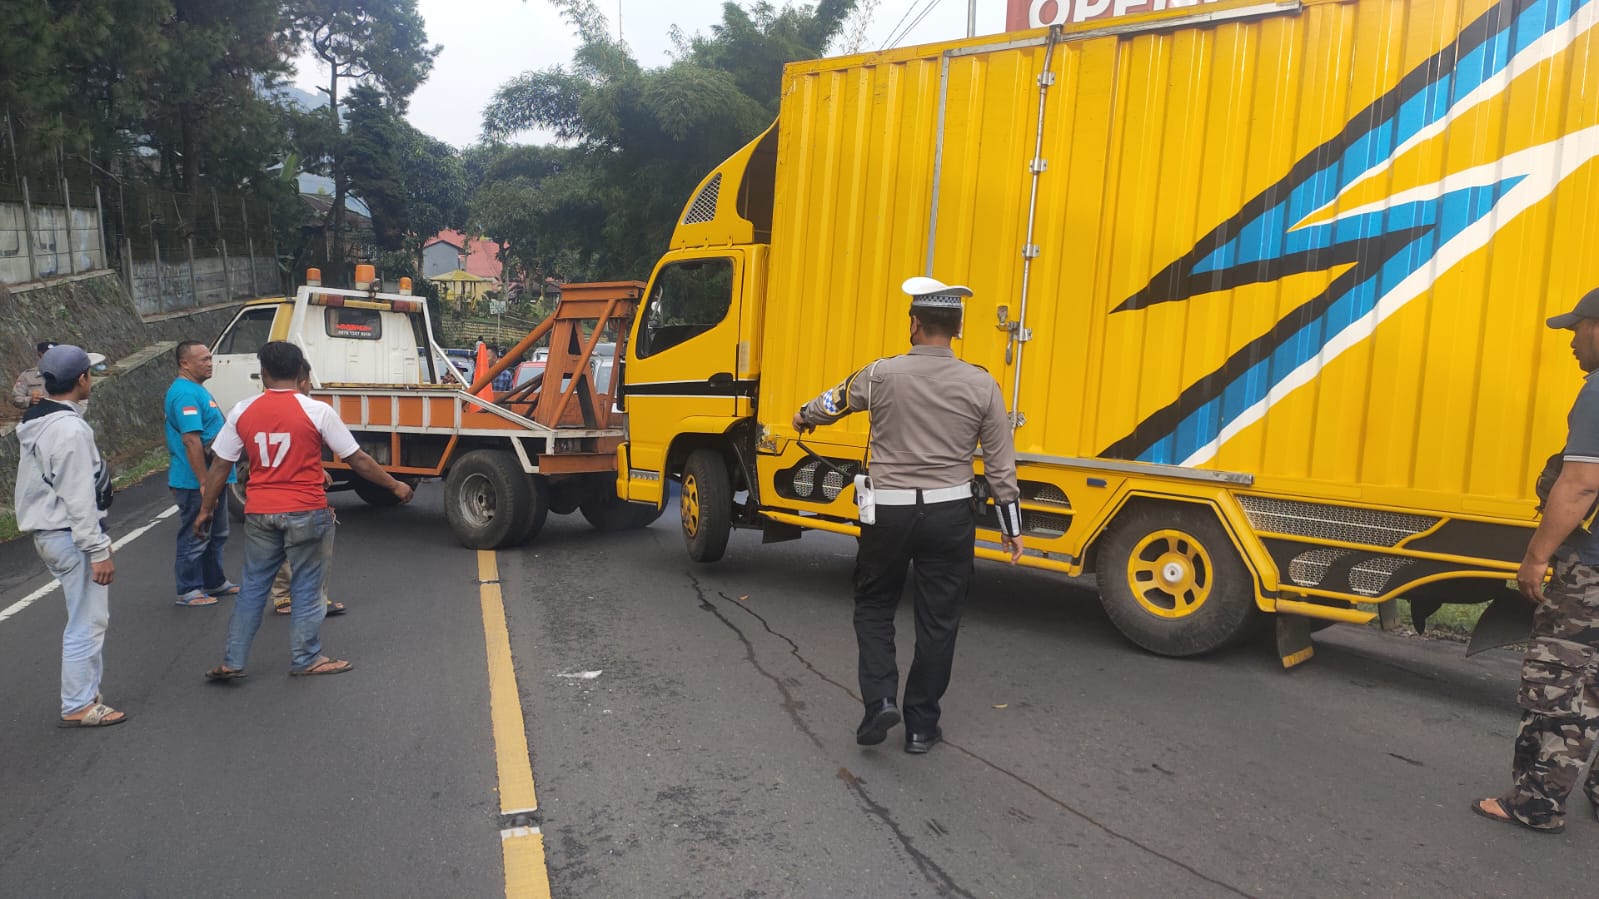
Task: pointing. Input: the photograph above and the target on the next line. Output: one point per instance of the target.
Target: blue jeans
(298, 537)
(199, 562)
(88, 613)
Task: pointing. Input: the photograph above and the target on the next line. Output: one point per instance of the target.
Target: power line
(926, 9)
(908, 10)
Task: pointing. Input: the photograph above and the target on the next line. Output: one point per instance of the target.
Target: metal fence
(174, 250)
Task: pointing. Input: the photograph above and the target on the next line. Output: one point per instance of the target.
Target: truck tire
(1172, 583)
(540, 498)
(373, 495)
(612, 513)
(489, 500)
(236, 495)
(707, 505)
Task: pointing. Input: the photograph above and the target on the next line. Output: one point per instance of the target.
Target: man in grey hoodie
(63, 491)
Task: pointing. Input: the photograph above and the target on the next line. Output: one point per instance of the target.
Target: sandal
(200, 600)
(322, 665)
(336, 608)
(1508, 818)
(228, 588)
(221, 672)
(282, 610)
(97, 715)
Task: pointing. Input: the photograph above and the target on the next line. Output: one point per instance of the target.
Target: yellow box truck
(1264, 285)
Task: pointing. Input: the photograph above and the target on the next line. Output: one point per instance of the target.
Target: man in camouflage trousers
(1559, 692)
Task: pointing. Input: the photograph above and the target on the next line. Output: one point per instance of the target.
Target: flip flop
(201, 600)
(98, 715)
(282, 610)
(220, 673)
(1476, 806)
(323, 665)
(228, 588)
(336, 609)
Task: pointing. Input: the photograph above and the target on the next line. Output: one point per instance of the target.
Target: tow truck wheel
(488, 500)
(236, 494)
(540, 495)
(1172, 582)
(706, 505)
(612, 513)
(373, 495)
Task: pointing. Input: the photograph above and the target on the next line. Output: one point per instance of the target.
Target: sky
(488, 42)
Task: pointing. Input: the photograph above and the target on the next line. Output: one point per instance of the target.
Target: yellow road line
(525, 872)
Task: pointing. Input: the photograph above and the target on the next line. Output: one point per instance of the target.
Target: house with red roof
(465, 268)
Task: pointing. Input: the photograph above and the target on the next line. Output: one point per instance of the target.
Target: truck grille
(704, 207)
(1344, 524)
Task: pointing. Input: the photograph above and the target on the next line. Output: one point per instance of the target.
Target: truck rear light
(406, 305)
(313, 277)
(405, 286)
(364, 276)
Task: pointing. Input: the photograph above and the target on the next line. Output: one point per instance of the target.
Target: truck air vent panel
(1371, 577)
(1040, 524)
(1319, 522)
(1047, 494)
(1308, 569)
(704, 208)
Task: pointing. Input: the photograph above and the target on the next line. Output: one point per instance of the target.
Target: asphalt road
(691, 732)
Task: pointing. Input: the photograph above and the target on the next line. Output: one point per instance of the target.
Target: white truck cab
(385, 339)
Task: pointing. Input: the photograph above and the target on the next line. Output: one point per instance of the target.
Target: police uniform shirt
(929, 411)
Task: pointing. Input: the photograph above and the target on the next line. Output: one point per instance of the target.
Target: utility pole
(971, 18)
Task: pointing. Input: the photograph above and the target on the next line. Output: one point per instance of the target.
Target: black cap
(1587, 307)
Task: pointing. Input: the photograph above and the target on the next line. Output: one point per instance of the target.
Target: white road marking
(49, 588)
(581, 675)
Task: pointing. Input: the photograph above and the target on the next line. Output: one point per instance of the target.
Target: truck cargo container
(1264, 285)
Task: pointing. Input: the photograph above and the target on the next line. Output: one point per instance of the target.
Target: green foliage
(372, 147)
(638, 140)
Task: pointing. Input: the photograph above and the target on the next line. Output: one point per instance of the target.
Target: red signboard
(1024, 14)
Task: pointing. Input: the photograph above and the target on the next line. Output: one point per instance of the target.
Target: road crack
(935, 875)
(1062, 804)
(790, 704)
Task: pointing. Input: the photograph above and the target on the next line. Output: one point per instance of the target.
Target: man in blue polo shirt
(193, 421)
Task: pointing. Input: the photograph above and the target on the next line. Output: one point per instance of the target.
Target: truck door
(236, 374)
(679, 369)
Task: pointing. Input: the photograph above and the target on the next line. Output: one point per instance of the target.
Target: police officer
(1559, 694)
(928, 412)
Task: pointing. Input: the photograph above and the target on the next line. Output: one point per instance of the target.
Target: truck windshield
(688, 299)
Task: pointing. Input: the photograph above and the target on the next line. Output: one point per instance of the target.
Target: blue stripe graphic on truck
(1395, 247)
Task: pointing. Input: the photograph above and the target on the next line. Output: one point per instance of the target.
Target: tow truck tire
(540, 492)
(488, 500)
(1172, 582)
(612, 513)
(706, 502)
(374, 495)
(236, 494)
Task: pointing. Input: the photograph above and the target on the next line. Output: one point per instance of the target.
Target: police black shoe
(919, 743)
(880, 716)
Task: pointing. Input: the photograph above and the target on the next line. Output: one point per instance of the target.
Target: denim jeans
(88, 613)
(199, 562)
(298, 537)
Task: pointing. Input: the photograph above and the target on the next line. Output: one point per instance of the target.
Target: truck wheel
(373, 495)
(539, 493)
(611, 513)
(488, 499)
(707, 505)
(1171, 582)
(236, 495)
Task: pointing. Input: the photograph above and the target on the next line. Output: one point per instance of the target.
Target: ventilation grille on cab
(704, 207)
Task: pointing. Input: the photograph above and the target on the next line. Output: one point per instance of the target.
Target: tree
(640, 138)
(380, 42)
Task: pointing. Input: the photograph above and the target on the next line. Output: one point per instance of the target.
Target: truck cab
(385, 339)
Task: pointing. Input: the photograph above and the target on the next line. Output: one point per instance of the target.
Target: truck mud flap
(1507, 620)
(1293, 640)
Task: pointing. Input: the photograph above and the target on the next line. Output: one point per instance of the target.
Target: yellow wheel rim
(691, 506)
(1170, 574)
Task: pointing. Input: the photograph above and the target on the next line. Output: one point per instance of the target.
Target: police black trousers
(936, 542)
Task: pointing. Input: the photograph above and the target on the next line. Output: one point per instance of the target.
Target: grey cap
(1587, 307)
(931, 293)
(65, 363)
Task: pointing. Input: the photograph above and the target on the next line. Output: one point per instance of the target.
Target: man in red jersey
(286, 514)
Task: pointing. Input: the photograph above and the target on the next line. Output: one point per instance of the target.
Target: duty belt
(888, 496)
